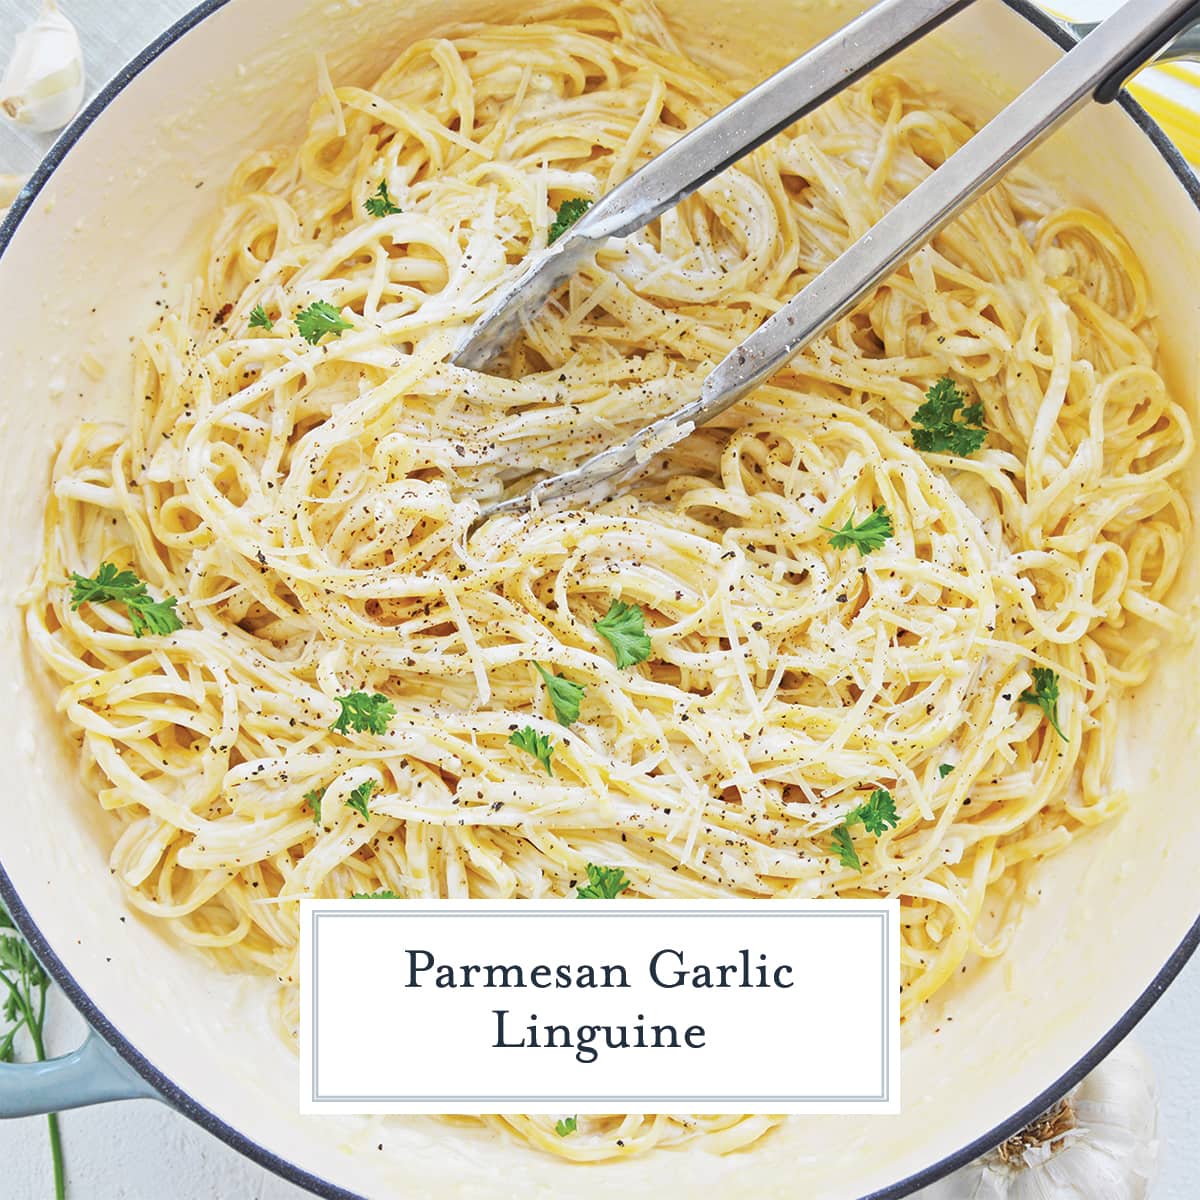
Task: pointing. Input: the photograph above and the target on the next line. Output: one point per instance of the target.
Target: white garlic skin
(44, 82)
(1111, 1154)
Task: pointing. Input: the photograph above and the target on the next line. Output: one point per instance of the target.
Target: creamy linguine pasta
(311, 506)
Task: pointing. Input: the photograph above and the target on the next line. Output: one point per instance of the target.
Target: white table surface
(141, 1150)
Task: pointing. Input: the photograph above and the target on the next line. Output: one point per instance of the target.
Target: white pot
(114, 214)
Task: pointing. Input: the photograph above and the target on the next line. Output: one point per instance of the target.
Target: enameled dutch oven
(112, 222)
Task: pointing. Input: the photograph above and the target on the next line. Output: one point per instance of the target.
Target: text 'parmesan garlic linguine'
(310, 503)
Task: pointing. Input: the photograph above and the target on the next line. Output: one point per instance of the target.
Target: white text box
(638, 1006)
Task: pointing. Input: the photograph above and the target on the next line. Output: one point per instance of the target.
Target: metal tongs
(1096, 68)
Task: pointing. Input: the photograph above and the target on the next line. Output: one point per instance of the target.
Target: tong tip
(519, 300)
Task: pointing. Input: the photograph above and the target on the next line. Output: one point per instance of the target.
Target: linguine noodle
(311, 506)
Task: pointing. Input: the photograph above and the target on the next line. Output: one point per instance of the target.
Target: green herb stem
(22, 1011)
(56, 1154)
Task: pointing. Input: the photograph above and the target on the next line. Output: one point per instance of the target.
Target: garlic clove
(44, 82)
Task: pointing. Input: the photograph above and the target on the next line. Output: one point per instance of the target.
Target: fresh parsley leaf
(564, 695)
(569, 211)
(876, 814)
(259, 318)
(604, 883)
(537, 744)
(364, 713)
(384, 894)
(381, 203)
(359, 797)
(146, 615)
(15, 955)
(945, 769)
(565, 1128)
(1044, 694)
(843, 847)
(941, 432)
(25, 985)
(868, 535)
(318, 319)
(624, 628)
(314, 799)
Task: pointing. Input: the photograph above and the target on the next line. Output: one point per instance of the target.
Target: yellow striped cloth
(1179, 112)
(1170, 94)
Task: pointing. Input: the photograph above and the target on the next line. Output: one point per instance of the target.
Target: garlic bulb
(43, 85)
(1099, 1143)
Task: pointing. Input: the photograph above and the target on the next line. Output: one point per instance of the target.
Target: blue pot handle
(92, 1074)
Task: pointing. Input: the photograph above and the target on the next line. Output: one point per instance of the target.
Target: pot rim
(243, 1143)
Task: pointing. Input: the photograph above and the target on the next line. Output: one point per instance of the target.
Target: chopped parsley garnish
(868, 535)
(565, 1128)
(945, 770)
(1044, 694)
(624, 628)
(359, 797)
(363, 712)
(537, 744)
(843, 847)
(564, 695)
(146, 615)
(604, 883)
(381, 203)
(318, 319)
(874, 815)
(383, 894)
(569, 211)
(259, 318)
(314, 799)
(940, 431)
